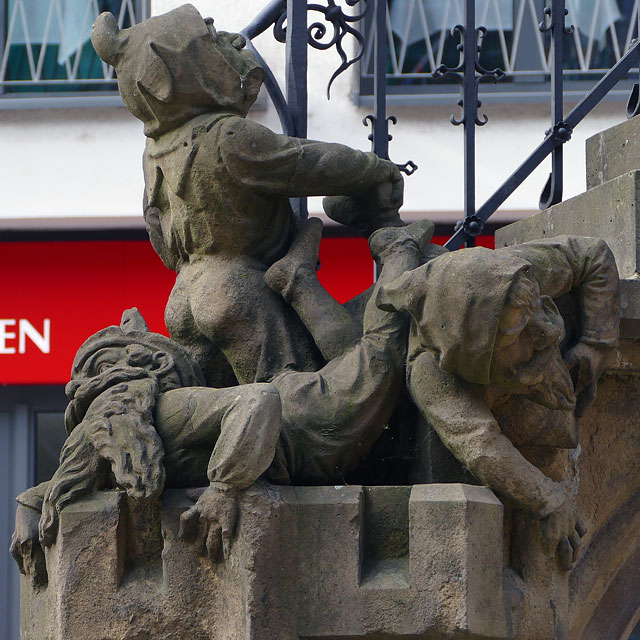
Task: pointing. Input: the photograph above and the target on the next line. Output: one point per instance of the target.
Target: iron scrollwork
(494, 75)
(409, 167)
(342, 27)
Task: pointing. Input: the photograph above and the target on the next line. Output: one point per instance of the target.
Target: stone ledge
(295, 570)
(613, 152)
(609, 211)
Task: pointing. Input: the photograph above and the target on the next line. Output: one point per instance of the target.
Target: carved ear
(107, 39)
(156, 78)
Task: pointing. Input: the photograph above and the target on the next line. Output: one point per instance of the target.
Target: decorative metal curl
(341, 24)
(457, 73)
(409, 167)
(279, 28)
(633, 104)
(547, 23)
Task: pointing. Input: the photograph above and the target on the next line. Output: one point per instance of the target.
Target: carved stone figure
(485, 328)
(218, 187)
(139, 413)
(267, 380)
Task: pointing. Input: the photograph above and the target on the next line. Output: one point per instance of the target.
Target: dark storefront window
(50, 435)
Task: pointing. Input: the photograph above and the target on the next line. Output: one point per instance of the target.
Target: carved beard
(548, 380)
(116, 439)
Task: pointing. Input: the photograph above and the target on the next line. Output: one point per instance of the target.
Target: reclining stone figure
(217, 189)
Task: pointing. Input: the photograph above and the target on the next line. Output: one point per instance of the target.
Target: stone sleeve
(458, 412)
(567, 263)
(276, 164)
(33, 497)
(239, 425)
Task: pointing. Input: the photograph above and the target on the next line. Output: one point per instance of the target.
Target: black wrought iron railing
(292, 24)
(420, 39)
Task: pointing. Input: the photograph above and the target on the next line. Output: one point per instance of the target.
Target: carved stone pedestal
(325, 562)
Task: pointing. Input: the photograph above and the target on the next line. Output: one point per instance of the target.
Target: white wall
(83, 166)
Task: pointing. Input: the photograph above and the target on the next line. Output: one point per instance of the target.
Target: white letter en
(42, 341)
(6, 335)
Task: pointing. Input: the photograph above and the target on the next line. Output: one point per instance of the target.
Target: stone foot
(418, 234)
(301, 257)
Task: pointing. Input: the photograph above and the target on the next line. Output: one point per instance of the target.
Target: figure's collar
(185, 134)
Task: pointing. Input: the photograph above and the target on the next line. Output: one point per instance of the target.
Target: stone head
(118, 355)
(482, 315)
(176, 66)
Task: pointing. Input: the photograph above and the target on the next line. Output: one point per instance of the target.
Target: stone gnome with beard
(117, 377)
(486, 332)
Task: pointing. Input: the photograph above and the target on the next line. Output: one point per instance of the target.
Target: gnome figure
(217, 189)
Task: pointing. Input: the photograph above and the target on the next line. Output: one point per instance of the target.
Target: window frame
(515, 92)
(63, 99)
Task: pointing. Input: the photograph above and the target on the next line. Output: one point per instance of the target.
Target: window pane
(48, 46)
(420, 40)
(50, 436)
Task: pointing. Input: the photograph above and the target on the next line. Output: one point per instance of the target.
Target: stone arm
(279, 165)
(567, 263)
(237, 428)
(242, 426)
(459, 413)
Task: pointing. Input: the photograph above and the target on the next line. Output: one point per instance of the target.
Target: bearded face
(527, 360)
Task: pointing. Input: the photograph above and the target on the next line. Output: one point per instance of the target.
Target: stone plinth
(613, 152)
(324, 563)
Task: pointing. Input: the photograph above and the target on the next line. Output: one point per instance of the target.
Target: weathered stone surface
(609, 211)
(300, 568)
(613, 152)
(603, 473)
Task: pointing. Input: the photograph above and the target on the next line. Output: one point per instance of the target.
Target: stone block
(456, 546)
(609, 211)
(613, 152)
(324, 525)
(308, 562)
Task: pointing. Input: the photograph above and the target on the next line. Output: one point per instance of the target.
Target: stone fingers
(189, 524)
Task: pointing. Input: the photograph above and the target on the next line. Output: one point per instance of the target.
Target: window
(46, 47)
(420, 40)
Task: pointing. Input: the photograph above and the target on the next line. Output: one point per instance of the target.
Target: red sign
(56, 294)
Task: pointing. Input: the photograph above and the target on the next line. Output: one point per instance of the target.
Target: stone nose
(543, 332)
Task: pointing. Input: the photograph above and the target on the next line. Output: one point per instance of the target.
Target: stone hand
(211, 521)
(388, 194)
(563, 531)
(586, 362)
(25, 545)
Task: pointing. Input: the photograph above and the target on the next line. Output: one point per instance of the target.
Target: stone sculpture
(267, 379)
(502, 337)
(217, 189)
(139, 412)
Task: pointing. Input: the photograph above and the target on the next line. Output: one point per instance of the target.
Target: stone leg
(294, 278)
(332, 417)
